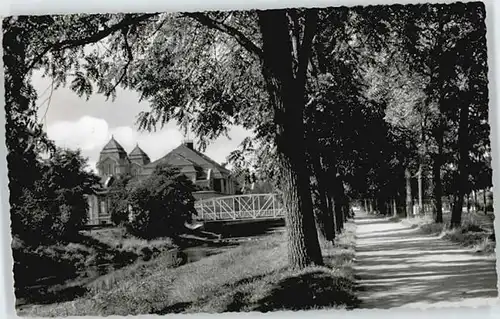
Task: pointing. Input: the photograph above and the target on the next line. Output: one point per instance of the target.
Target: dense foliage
(118, 195)
(161, 204)
(55, 207)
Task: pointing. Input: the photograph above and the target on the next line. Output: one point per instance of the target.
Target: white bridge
(240, 207)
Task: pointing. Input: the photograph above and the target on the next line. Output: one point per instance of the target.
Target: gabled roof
(184, 156)
(173, 159)
(219, 167)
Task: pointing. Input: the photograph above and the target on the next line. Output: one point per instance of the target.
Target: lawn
(250, 277)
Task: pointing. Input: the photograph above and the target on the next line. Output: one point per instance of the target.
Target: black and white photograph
(300, 158)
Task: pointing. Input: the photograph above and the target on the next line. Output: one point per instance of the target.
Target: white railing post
(215, 211)
(274, 205)
(231, 208)
(236, 202)
(253, 206)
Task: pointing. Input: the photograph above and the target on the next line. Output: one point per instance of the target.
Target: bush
(55, 207)
(43, 220)
(119, 194)
(161, 204)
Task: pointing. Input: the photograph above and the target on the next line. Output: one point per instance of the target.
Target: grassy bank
(251, 277)
(59, 271)
(468, 235)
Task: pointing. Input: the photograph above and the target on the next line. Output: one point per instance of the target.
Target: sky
(76, 123)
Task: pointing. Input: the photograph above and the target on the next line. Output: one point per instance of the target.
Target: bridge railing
(249, 206)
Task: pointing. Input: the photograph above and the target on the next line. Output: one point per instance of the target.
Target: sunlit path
(398, 266)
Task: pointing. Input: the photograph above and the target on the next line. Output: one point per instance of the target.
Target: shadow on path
(398, 266)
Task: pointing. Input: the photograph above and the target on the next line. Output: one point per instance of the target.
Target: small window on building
(200, 174)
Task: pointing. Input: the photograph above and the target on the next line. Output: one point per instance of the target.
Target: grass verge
(251, 277)
(468, 235)
(395, 219)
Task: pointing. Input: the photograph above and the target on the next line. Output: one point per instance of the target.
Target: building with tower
(211, 178)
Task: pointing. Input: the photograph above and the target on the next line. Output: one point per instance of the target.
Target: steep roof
(113, 146)
(137, 151)
(114, 150)
(138, 154)
(219, 167)
(184, 155)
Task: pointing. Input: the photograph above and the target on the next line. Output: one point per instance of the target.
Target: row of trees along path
(344, 102)
(397, 266)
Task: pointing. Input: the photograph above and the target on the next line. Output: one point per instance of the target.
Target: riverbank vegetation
(251, 277)
(59, 271)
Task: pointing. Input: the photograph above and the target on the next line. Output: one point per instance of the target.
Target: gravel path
(396, 266)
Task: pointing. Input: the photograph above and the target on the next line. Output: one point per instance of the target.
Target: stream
(232, 235)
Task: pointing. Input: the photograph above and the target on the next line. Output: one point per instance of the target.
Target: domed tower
(138, 159)
(113, 160)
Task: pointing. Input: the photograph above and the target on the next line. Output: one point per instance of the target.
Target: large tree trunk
(394, 208)
(436, 172)
(286, 90)
(339, 204)
(331, 207)
(339, 218)
(463, 173)
(381, 203)
(409, 201)
(468, 203)
(347, 212)
(438, 193)
(485, 202)
(324, 217)
(330, 217)
(474, 195)
(345, 204)
(324, 231)
(318, 207)
(420, 191)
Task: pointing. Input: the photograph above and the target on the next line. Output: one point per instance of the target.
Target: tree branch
(72, 43)
(49, 99)
(295, 34)
(130, 58)
(233, 32)
(306, 45)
